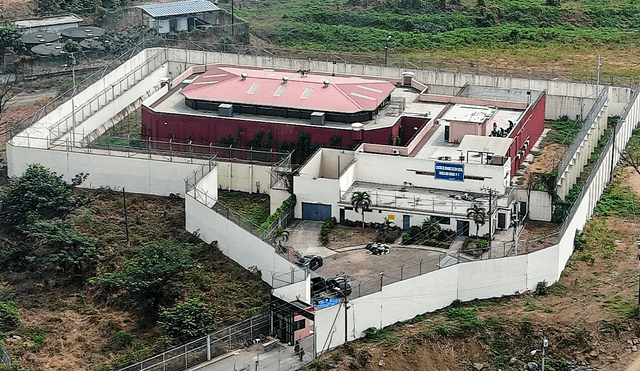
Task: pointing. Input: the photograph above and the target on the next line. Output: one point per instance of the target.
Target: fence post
(420, 267)
(164, 362)
(229, 337)
(186, 362)
(401, 273)
(208, 347)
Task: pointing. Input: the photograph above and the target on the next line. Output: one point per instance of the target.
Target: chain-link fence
(206, 348)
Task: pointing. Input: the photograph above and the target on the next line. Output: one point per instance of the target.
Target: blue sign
(449, 171)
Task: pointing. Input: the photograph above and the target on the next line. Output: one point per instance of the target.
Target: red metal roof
(269, 88)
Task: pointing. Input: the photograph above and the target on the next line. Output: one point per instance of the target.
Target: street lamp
(545, 345)
(386, 50)
(73, 94)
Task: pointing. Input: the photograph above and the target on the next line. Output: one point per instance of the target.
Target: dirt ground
(342, 236)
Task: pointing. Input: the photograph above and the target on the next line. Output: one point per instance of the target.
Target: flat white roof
(47, 21)
(468, 113)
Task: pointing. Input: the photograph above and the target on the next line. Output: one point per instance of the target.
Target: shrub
(481, 243)
(542, 288)
(326, 228)
(146, 280)
(190, 318)
(279, 213)
(40, 192)
(9, 318)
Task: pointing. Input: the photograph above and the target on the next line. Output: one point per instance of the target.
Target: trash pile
(378, 248)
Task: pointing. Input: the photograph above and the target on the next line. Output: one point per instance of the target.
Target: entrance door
(406, 222)
(316, 211)
(462, 228)
(523, 210)
(502, 220)
(342, 218)
(446, 133)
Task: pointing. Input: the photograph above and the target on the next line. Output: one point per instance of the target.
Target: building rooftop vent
(285, 79)
(326, 83)
(243, 76)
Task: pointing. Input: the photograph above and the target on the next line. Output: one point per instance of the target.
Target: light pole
(545, 346)
(73, 94)
(386, 50)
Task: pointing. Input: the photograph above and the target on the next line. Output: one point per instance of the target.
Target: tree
(190, 318)
(478, 215)
(431, 227)
(10, 38)
(362, 201)
(38, 192)
(8, 89)
(146, 281)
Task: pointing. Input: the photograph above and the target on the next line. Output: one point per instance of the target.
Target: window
(299, 325)
(441, 219)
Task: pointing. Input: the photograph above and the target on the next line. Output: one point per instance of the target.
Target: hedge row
(280, 212)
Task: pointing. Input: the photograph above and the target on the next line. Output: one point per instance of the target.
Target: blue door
(316, 211)
(406, 222)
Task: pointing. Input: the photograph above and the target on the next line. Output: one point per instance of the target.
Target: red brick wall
(203, 130)
(531, 126)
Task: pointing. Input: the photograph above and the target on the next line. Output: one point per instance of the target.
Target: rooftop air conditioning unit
(317, 118)
(225, 110)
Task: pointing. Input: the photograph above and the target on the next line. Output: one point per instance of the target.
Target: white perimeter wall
(236, 243)
(406, 299)
(539, 204)
(563, 97)
(473, 280)
(237, 176)
(137, 175)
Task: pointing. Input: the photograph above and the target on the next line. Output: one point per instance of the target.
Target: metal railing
(586, 127)
(49, 106)
(107, 95)
(598, 167)
(206, 348)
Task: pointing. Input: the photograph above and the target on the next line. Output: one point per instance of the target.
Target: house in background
(179, 16)
(48, 24)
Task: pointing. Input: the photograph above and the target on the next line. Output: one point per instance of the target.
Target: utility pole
(598, 82)
(126, 217)
(346, 322)
(386, 50)
(233, 20)
(491, 192)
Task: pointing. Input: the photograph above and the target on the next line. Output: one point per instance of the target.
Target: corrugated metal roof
(178, 8)
(47, 21)
(288, 89)
(499, 146)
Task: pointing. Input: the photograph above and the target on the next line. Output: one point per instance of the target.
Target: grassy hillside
(520, 33)
(54, 319)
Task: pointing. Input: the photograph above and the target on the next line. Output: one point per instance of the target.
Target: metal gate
(315, 211)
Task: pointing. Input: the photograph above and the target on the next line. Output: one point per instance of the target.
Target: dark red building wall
(531, 126)
(205, 130)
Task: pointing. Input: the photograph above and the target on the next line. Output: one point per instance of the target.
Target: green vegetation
(147, 280)
(441, 24)
(563, 131)
(38, 193)
(254, 206)
(279, 213)
(325, 230)
(190, 319)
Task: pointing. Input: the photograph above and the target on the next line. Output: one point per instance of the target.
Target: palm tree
(362, 201)
(431, 227)
(478, 215)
